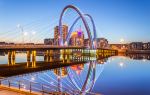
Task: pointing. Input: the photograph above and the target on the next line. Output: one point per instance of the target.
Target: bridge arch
(83, 20)
(93, 39)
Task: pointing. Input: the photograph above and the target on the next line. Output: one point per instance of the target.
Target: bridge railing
(30, 86)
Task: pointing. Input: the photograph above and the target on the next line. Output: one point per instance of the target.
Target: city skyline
(115, 20)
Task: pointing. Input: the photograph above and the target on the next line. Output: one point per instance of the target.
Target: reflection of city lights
(58, 77)
(109, 61)
(121, 64)
(112, 59)
(121, 40)
(144, 60)
(24, 87)
(32, 78)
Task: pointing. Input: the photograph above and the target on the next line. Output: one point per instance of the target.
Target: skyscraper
(57, 34)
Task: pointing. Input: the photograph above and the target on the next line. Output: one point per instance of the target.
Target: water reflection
(139, 56)
(80, 79)
(85, 78)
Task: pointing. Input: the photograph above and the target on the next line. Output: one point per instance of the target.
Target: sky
(114, 19)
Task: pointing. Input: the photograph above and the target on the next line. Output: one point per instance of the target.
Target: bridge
(37, 47)
(62, 52)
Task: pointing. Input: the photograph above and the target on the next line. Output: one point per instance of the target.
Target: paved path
(9, 91)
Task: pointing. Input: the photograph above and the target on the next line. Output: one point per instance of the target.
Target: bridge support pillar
(28, 58)
(9, 58)
(33, 58)
(50, 55)
(13, 57)
(46, 56)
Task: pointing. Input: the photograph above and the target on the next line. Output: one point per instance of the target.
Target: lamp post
(121, 41)
(21, 30)
(32, 34)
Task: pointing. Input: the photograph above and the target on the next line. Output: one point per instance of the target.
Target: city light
(121, 40)
(25, 33)
(121, 64)
(33, 32)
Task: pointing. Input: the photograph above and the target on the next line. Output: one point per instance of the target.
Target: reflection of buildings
(57, 35)
(102, 43)
(139, 46)
(78, 68)
(61, 72)
(77, 38)
(102, 61)
(139, 56)
(49, 41)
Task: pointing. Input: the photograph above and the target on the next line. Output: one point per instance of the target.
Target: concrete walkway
(12, 91)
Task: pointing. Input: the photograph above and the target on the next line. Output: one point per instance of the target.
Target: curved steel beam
(94, 30)
(83, 19)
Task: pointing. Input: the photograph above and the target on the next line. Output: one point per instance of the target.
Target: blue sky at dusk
(114, 19)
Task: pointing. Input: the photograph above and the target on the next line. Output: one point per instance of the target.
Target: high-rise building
(57, 35)
(77, 38)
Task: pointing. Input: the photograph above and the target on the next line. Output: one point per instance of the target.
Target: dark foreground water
(117, 75)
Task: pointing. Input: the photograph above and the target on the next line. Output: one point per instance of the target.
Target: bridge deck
(37, 47)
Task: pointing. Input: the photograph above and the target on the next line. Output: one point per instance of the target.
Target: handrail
(42, 87)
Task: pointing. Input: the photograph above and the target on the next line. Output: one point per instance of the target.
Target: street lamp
(122, 41)
(21, 30)
(32, 34)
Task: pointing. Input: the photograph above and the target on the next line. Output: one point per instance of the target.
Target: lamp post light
(25, 34)
(122, 42)
(32, 34)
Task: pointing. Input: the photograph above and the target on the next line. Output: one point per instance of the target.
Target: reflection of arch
(71, 28)
(89, 81)
(83, 20)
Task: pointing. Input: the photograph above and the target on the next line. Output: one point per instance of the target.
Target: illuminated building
(77, 38)
(57, 35)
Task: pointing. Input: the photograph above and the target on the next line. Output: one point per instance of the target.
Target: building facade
(77, 38)
(139, 46)
(136, 46)
(146, 46)
(102, 43)
(49, 41)
(57, 35)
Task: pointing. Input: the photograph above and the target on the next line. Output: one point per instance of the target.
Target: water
(117, 75)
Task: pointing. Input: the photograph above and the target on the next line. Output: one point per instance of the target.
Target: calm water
(117, 75)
